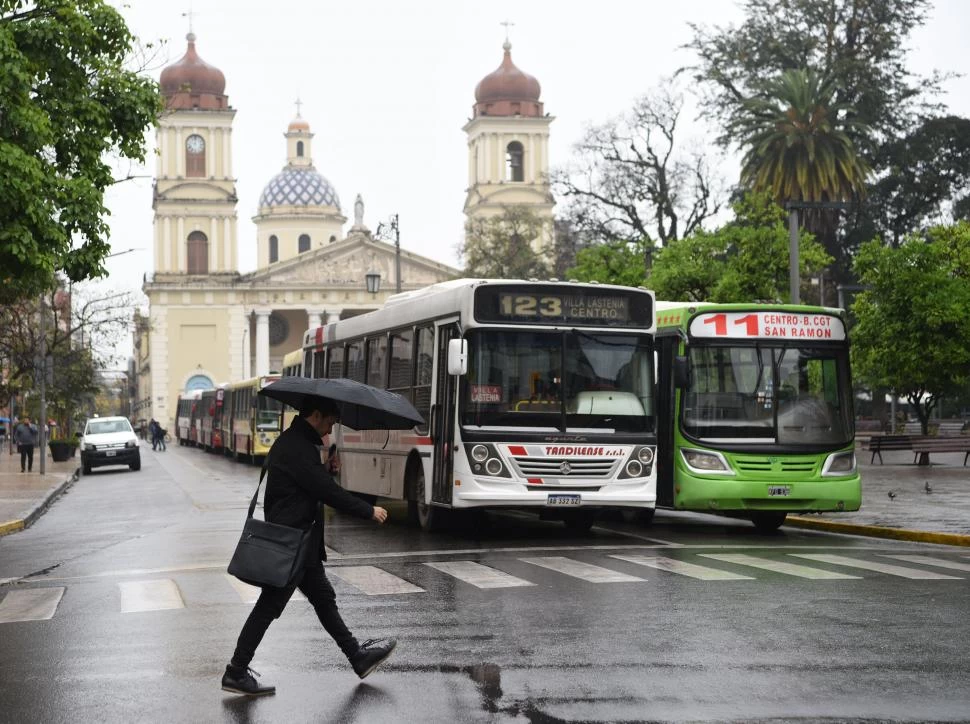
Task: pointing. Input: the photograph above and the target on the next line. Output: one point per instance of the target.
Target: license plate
(775, 491)
(563, 500)
(111, 453)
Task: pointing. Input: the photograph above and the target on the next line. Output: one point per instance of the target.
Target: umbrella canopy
(4, 419)
(362, 407)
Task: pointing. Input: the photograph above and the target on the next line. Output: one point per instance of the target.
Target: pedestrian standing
(152, 432)
(297, 486)
(159, 437)
(25, 435)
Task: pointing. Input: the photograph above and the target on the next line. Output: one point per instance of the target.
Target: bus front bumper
(801, 496)
(472, 492)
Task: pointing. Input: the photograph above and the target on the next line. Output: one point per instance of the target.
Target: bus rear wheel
(768, 521)
(419, 512)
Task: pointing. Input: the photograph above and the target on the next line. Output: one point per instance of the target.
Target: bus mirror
(681, 373)
(457, 357)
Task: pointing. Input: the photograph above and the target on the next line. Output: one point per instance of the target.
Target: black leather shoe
(243, 681)
(371, 654)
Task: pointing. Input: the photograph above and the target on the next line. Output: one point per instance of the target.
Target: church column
(313, 318)
(262, 341)
(333, 316)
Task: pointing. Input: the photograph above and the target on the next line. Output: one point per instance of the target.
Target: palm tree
(797, 141)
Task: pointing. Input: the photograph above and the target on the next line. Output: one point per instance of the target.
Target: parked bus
(536, 395)
(213, 411)
(292, 367)
(252, 421)
(183, 416)
(755, 413)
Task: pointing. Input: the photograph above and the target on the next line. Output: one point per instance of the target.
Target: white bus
(536, 395)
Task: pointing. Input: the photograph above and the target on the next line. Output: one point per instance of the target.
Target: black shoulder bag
(268, 554)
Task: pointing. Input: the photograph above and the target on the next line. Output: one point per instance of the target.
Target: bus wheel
(419, 512)
(580, 521)
(768, 521)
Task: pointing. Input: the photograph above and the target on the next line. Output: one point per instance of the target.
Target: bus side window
(335, 362)
(402, 359)
(376, 357)
(319, 369)
(355, 361)
(423, 372)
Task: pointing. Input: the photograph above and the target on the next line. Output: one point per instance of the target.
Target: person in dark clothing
(297, 486)
(25, 435)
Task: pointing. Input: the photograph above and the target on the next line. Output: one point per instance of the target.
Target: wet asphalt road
(698, 639)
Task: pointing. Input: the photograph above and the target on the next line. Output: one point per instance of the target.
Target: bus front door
(443, 419)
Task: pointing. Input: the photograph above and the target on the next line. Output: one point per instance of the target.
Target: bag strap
(262, 474)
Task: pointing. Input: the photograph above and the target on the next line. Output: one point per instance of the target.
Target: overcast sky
(387, 86)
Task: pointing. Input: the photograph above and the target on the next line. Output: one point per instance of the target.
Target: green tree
(746, 260)
(796, 143)
(501, 247)
(859, 45)
(67, 100)
(613, 262)
(912, 331)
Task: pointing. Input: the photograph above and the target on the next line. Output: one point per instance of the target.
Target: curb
(876, 531)
(13, 526)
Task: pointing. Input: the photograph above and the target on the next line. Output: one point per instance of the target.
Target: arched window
(299, 149)
(195, 156)
(274, 249)
(304, 243)
(198, 253)
(513, 162)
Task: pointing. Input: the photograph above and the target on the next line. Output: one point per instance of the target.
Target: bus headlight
(705, 462)
(842, 463)
(645, 455)
(265, 439)
(485, 460)
(639, 465)
(634, 468)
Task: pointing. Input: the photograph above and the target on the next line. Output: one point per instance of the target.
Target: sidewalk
(25, 496)
(941, 515)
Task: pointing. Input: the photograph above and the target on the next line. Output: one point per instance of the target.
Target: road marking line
(789, 569)
(478, 575)
(672, 565)
(32, 604)
(930, 561)
(157, 595)
(374, 581)
(582, 571)
(249, 594)
(887, 568)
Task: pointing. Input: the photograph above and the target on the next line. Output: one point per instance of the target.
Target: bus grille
(769, 465)
(554, 467)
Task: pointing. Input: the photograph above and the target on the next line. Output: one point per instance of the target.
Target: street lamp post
(793, 207)
(393, 227)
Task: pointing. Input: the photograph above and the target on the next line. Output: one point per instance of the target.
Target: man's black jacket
(297, 483)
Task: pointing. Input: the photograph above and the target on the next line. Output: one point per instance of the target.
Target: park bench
(922, 447)
(879, 443)
(949, 428)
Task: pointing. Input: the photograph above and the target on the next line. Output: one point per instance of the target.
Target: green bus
(754, 411)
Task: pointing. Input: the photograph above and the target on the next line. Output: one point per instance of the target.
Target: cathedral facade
(208, 323)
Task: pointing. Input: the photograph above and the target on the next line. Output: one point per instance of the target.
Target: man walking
(297, 486)
(153, 432)
(25, 435)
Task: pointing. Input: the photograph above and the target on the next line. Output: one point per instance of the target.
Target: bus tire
(641, 516)
(768, 521)
(420, 513)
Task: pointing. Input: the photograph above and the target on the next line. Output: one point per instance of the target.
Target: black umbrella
(362, 407)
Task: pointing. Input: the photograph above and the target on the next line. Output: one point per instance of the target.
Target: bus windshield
(762, 394)
(558, 381)
(267, 413)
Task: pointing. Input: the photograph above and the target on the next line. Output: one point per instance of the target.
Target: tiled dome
(299, 186)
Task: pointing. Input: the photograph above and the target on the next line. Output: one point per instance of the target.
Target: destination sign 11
(780, 325)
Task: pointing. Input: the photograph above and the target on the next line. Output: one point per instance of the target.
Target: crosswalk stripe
(478, 575)
(32, 604)
(157, 595)
(888, 568)
(789, 569)
(249, 594)
(930, 561)
(673, 565)
(373, 581)
(583, 571)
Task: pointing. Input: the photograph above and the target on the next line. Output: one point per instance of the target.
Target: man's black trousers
(26, 457)
(318, 591)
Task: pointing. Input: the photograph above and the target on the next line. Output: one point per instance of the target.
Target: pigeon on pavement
(892, 494)
(926, 487)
